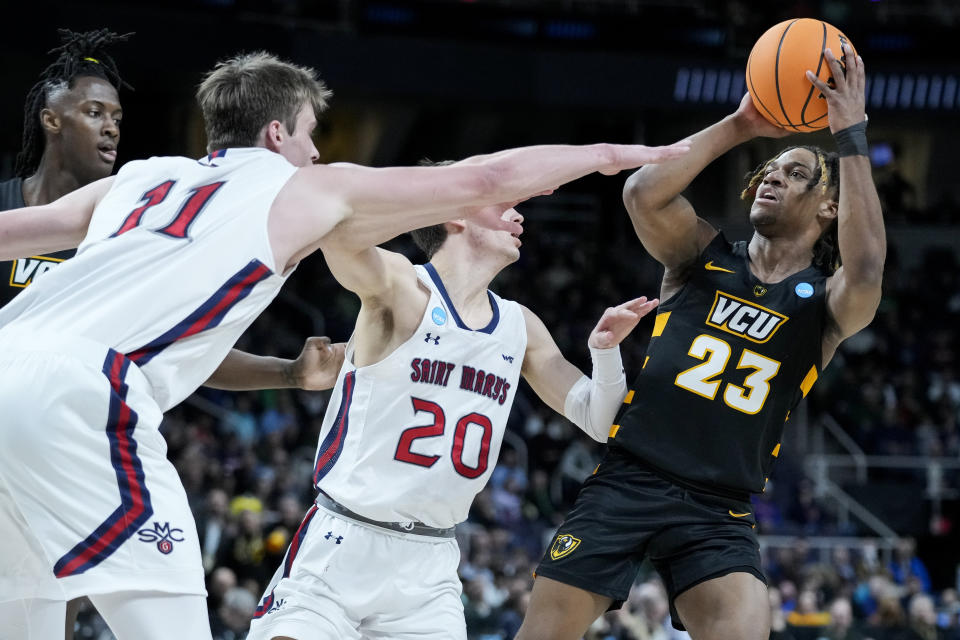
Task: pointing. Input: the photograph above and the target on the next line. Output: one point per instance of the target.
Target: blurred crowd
(246, 458)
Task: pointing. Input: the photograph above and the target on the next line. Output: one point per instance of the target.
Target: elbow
(636, 193)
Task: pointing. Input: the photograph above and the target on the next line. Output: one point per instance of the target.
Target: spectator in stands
(212, 526)
(778, 619)
(807, 621)
(231, 620)
(888, 622)
(219, 582)
(922, 619)
(842, 626)
(906, 564)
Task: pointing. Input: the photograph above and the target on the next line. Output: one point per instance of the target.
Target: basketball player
(71, 130)
(744, 332)
(176, 258)
(423, 398)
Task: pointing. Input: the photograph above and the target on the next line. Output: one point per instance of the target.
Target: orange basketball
(776, 70)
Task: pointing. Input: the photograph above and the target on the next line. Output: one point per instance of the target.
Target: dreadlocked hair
(826, 252)
(81, 54)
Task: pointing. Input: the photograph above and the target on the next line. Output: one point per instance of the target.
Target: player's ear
(273, 135)
(50, 120)
(455, 226)
(827, 210)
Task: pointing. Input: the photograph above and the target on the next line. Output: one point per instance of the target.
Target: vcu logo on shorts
(563, 546)
(745, 319)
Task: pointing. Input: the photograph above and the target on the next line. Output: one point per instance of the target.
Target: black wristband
(852, 141)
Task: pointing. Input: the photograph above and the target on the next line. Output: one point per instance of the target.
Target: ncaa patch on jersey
(804, 289)
(564, 545)
(439, 316)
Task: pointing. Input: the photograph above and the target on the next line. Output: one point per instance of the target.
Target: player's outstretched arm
(853, 292)
(664, 220)
(592, 402)
(60, 225)
(376, 204)
(315, 369)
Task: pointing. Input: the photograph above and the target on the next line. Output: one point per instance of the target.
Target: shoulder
(536, 329)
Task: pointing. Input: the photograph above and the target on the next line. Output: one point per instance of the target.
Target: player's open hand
(491, 217)
(318, 364)
(754, 124)
(632, 156)
(616, 323)
(846, 99)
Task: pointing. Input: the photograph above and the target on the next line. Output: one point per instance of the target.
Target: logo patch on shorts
(163, 534)
(563, 546)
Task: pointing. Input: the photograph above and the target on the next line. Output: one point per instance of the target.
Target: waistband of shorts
(415, 528)
(90, 351)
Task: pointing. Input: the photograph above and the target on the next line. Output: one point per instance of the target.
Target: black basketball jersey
(15, 275)
(730, 357)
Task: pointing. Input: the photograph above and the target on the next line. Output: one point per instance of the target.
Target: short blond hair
(244, 93)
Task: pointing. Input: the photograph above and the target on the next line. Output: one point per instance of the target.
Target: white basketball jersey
(415, 436)
(176, 264)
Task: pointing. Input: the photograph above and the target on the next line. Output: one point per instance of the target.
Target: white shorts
(343, 579)
(89, 503)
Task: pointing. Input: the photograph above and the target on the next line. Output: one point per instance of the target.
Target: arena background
(864, 506)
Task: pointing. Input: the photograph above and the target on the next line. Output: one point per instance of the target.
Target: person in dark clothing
(71, 129)
(742, 334)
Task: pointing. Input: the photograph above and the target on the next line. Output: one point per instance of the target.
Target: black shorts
(625, 512)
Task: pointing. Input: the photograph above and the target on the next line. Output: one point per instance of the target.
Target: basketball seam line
(806, 103)
(754, 94)
(776, 75)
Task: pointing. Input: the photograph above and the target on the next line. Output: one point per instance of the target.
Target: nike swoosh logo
(710, 267)
(738, 515)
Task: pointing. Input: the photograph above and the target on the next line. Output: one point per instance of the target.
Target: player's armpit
(371, 273)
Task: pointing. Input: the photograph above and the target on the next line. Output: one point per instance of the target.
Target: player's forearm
(522, 172)
(592, 403)
(415, 197)
(653, 186)
(861, 236)
(34, 231)
(242, 371)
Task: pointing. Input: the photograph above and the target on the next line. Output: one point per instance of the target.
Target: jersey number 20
(404, 454)
(715, 354)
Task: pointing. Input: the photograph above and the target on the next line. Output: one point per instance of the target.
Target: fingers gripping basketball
(776, 72)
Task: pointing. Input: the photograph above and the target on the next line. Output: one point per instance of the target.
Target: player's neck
(775, 258)
(50, 182)
(466, 282)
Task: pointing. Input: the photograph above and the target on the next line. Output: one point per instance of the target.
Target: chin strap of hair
(84, 53)
(592, 403)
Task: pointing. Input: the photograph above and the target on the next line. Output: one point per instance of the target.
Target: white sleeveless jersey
(176, 264)
(415, 436)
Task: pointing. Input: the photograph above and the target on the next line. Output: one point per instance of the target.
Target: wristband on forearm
(852, 141)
